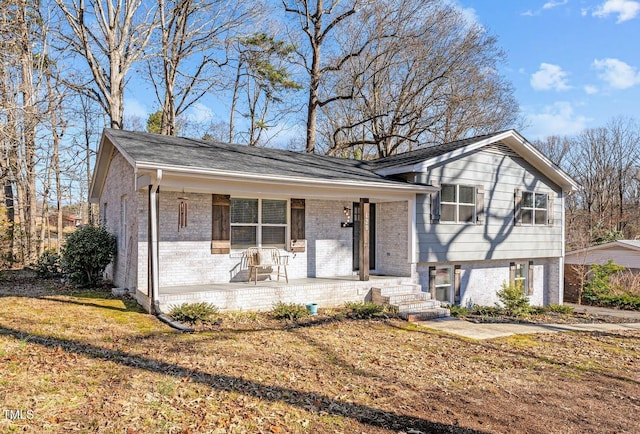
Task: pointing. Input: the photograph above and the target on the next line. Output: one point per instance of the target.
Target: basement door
(356, 236)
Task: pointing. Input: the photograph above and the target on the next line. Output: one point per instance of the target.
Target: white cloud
(625, 9)
(590, 89)
(556, 119)
(549, 77)
(200, 113)
(617, 73)
(548, 5)
(552, 4)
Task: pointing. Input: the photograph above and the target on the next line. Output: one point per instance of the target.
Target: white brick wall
(392, 233)
(328, 244)
(480, 281)
(120, 182)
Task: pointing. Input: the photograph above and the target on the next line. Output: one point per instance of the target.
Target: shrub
(622, 301)
(364, 310)
(87, 253)
(290, 311)
(559, 308)
(48, 265)
(514, 300)
(600, 283)
(486, 310)
(192, 312)
(459, 311)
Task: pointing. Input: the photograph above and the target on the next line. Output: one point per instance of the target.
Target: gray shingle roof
(198, 154)
(423, 154)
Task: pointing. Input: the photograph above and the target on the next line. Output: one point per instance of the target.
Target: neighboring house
(68, 220)
(577, 262)
(460, 219)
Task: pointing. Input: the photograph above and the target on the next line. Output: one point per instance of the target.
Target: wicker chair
(266, 261)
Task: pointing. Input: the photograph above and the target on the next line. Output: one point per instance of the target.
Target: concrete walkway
(490, 331)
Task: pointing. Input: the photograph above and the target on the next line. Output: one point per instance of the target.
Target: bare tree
(319, 21)
(191, 49)
(430, 77)
(110, 36)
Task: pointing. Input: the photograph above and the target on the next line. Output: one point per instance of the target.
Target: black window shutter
(517, 208)
(435, 203)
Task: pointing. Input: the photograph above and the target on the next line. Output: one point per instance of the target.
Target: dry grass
(82, 361)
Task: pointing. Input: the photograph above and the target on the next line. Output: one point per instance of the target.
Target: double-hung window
(534, 208)
(444, 284)
(258, 222)
(457, 203)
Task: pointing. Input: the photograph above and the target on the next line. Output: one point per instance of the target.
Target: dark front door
(356, 236)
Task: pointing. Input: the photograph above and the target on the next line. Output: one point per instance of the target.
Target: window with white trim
(520, 276)
(258, 222)
(457, 203)
(444, 284)
(534, 208)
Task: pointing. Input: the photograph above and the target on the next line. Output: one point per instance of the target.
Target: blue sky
(574, 64)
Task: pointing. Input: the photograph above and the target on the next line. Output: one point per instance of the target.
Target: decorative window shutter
(456, 283)
(435, 203)
(512, 273)
(297, 225)
(550, 202)
(530, 279)
(221, 224)
(517, 209)
(479, 204)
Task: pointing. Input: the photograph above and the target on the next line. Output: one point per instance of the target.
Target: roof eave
(284, 180)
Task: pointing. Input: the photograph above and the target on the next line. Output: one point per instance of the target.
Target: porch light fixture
(183, 212)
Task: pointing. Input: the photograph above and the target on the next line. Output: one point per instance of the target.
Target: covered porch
(324, 291)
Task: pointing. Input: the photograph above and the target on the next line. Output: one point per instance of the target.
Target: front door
(356, 236)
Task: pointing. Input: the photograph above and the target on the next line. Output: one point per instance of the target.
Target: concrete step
(425, 315)
(377, 292)
(416, 305)
(400, 298)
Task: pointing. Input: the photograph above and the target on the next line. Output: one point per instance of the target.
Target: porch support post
(365, 221)
(154, 283)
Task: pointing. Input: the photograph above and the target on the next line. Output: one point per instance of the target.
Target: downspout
(153, 242)
(561, 262)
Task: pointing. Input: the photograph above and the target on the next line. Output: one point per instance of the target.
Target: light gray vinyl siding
(497, 237)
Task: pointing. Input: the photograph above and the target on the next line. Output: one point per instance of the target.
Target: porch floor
(325, 291)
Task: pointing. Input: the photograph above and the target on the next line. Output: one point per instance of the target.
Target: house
(577, 262)
(459, 219)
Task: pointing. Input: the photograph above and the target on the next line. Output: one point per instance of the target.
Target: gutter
(278, 179)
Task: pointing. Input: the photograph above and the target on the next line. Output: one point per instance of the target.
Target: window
(521, 276)
(443, 284)
(534, 208)
(256, 222)
(457, 204)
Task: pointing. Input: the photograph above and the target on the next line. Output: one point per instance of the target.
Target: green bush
(622, 301)
(192, 312)
(87, 253)
(364, 310)
(290, 311)
(486, 310)
(459, 311)
(514, 300)
(600, 284)
(48, 265)
(559, 308)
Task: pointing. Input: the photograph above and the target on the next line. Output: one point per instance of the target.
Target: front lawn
(83, 361)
